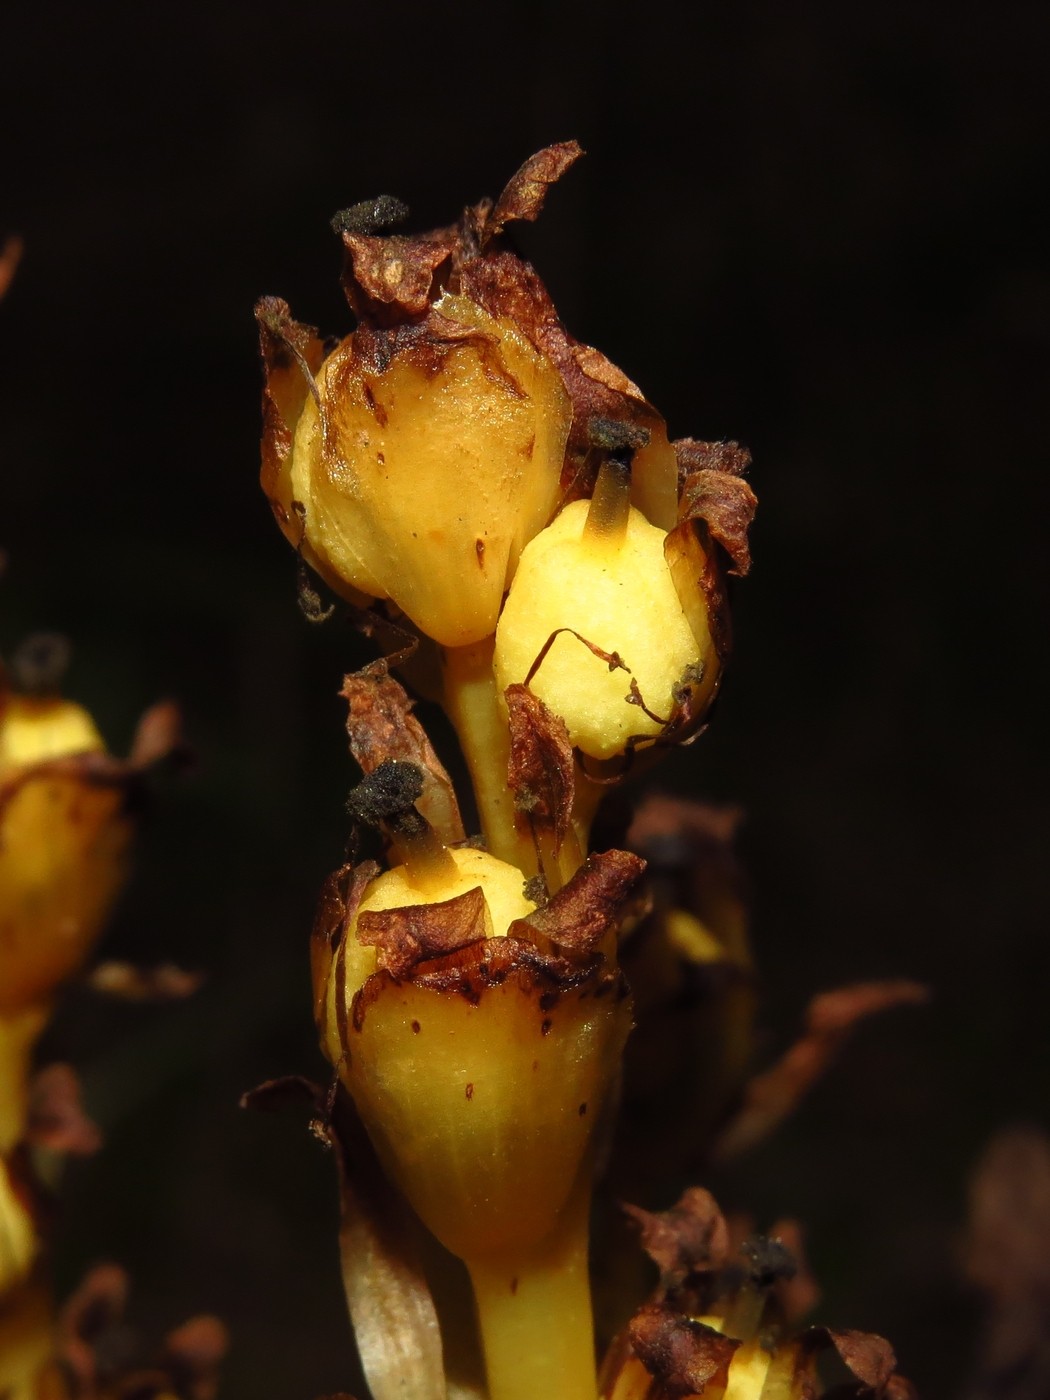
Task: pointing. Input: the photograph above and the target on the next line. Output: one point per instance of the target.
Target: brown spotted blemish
(479, 550)
(545, 1025)
(514, 1285)
(583, 1109)
(415, 1027)
(470, 1091)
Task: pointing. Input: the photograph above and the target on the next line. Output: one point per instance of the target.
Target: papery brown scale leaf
(868, 1357)
(388, 278)
(691, 1237)
(696, 456)
(395, 1324)
(292, 355)
(391, 1308)
(525, 192)
(410, 935)
(727, 503)
(541, 772)
(57, 1119)
(341, 895)
(683, 1355)
(381, 725)
(770, 1097)
(580, 915)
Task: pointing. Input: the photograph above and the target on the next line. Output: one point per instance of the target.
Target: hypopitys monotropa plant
(505, 502)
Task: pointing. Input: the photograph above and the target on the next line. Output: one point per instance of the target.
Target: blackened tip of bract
(371, 216)
(387, 791)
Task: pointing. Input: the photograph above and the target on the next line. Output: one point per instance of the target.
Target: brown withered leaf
(57, 1119)
(126, 982)
(696, 456)
(382, 725)
(869, 1358)
(407, 936)
(525, 192)
(683, 1355)
(727, 504)
(10, 256)
(579, 916)
(341, 894)
(691, 1237)
(540, 771)
(292, 354)
(390, 277)
(391, 1308)
(772, 1096)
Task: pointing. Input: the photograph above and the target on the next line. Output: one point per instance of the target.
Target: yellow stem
(534, 1310)
(473, 706)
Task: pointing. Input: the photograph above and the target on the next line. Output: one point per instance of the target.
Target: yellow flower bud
(63, 846)
(595, 627)
(480, 1039)
(504, 901)
(424, 462)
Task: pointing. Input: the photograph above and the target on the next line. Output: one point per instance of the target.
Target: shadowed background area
(817, 229)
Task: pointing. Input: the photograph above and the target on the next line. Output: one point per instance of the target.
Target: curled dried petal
(584, 910)
(682, 1354)
(691, 1237)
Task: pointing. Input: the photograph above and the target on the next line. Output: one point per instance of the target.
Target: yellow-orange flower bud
(596, 627)
(421, 464)
(63, 846)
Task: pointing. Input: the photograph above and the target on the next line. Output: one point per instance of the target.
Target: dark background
(816, 228)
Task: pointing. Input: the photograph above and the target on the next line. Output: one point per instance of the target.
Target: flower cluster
(501, 507)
